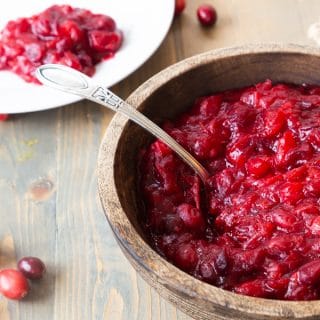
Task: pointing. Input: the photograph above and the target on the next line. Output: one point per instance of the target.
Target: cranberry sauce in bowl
(61, 34)
(256, 228)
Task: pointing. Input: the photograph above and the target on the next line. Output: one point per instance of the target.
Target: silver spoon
(72, 81)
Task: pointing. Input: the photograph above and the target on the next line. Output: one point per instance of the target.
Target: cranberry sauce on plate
(60, 34)
(256, 228)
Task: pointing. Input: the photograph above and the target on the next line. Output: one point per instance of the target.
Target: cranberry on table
(207, 15)
(13, 284)
(33, 268)
(3, 117)
(179, 7)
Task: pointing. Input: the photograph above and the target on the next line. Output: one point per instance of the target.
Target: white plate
(144, 23)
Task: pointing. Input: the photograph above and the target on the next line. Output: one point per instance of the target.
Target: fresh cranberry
(60, 34)
(207, 15)
(13, 284)
(3, 117)
(32, 267)
(179, 6)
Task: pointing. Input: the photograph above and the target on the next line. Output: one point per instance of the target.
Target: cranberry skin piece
(105, 41)
(3, 117)
(71, 30)
(100, 22)
(179, 7)
(274, 120)
(191, 217)
(33, 268)
(258, 166)
(253, 288)
(13, 284)
(207, 15)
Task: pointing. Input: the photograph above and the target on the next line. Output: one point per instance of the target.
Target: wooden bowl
(164, 96)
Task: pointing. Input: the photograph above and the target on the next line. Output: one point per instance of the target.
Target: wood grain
(88, 277)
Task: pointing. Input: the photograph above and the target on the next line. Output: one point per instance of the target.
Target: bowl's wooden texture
(164, 96)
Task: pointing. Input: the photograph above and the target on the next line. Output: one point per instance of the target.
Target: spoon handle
(72, 81)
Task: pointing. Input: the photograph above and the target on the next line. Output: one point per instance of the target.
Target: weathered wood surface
(48, 190)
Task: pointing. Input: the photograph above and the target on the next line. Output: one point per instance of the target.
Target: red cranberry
(3, 117)
(33, 268)
(179, 7)
(13, 284)
(207, 15)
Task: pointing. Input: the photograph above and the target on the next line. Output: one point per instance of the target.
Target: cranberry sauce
(60, 34)
(256, 229)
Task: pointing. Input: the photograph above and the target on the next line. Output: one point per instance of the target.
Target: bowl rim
(133, 242)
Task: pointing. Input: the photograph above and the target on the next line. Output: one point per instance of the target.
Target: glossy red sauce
(256, 229)
(60, 34)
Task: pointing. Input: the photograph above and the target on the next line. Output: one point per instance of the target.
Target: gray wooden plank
(27, 158)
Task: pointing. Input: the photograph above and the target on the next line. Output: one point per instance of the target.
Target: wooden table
(48, 186)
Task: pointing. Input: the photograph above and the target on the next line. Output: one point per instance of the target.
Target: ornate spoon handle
(72, 81)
